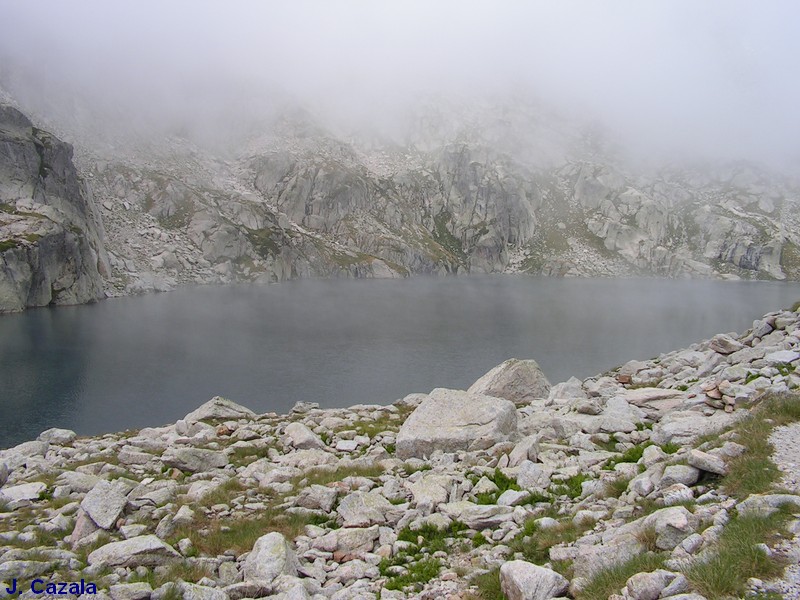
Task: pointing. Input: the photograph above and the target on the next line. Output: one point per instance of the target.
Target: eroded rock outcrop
(51, 238)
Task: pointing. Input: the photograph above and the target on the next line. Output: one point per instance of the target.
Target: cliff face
(458, 193)
(51, 249)
(300, 201)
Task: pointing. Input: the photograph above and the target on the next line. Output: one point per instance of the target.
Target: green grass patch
(8, 245)
(670, 447)
(433, 539)
(609, 446)
(488, 585)
(534, 543)
(754, 472)
(737, 558)
(616, 487)
(244, 455)
(631, 455)
(212, 537)
(325, 476)
(503, 483)
(751, 377)
(611, 580)
(411, 468)
(570, 487)
(418, 573)
(184, 571)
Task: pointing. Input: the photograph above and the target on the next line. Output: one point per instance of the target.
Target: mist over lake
(146, 361)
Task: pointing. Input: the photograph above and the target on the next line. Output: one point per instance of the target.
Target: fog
(712, 80)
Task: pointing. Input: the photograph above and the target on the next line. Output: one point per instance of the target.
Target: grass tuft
(611, 580)
(725, 574)
(754, 472)
(488, 585)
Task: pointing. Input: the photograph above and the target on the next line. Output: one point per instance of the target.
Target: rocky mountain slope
(454, 197)
(460, 189)
(51, 238)
(646, 482)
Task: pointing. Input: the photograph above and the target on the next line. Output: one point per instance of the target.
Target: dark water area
(149, 360)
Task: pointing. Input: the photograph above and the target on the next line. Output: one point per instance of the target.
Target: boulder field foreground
(514, 487)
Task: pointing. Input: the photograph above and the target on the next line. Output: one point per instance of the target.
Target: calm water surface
(134, 362)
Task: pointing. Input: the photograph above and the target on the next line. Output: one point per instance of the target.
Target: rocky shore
(627, 485)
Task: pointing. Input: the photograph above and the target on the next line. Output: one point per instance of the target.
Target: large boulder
(453, 420)
(271, 556)
(194, 460)
(519, 381)
(362, 509)
(141, 551)
(301, 437)
(521, 580)
(104, 504)
(218, 409)
(685, 426)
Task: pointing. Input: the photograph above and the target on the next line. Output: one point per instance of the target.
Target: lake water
(144, 361)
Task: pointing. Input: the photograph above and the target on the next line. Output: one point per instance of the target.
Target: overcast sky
(717, 78)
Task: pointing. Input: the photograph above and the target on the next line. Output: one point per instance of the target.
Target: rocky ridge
(424, 498)
(492, 188)
(51, 238)
(306, 201)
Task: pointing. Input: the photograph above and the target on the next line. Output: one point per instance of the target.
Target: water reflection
(149, 360)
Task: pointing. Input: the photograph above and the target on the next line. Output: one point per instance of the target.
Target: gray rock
(54, 251)
(684, 427)
(534, 476)
(104, 504)
(522, 580)
(193, 591)
(519, 381)
(144, 551)
(57, 436)
(300, 436)
(512, 498)
(430, 490)
(130, 591)
(362, 509)
(648, 586)
(451, 420)
(724, 344)
(764, 505)
(219, 409)
(679, 474)
(23, 491)
(526, 449)
(477, 516)
(707, 462)
(782, 357)
(271, 556)
(317, 497)
(194, 460)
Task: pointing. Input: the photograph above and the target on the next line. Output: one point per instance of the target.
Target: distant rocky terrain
(645, 482)
(463, 189)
